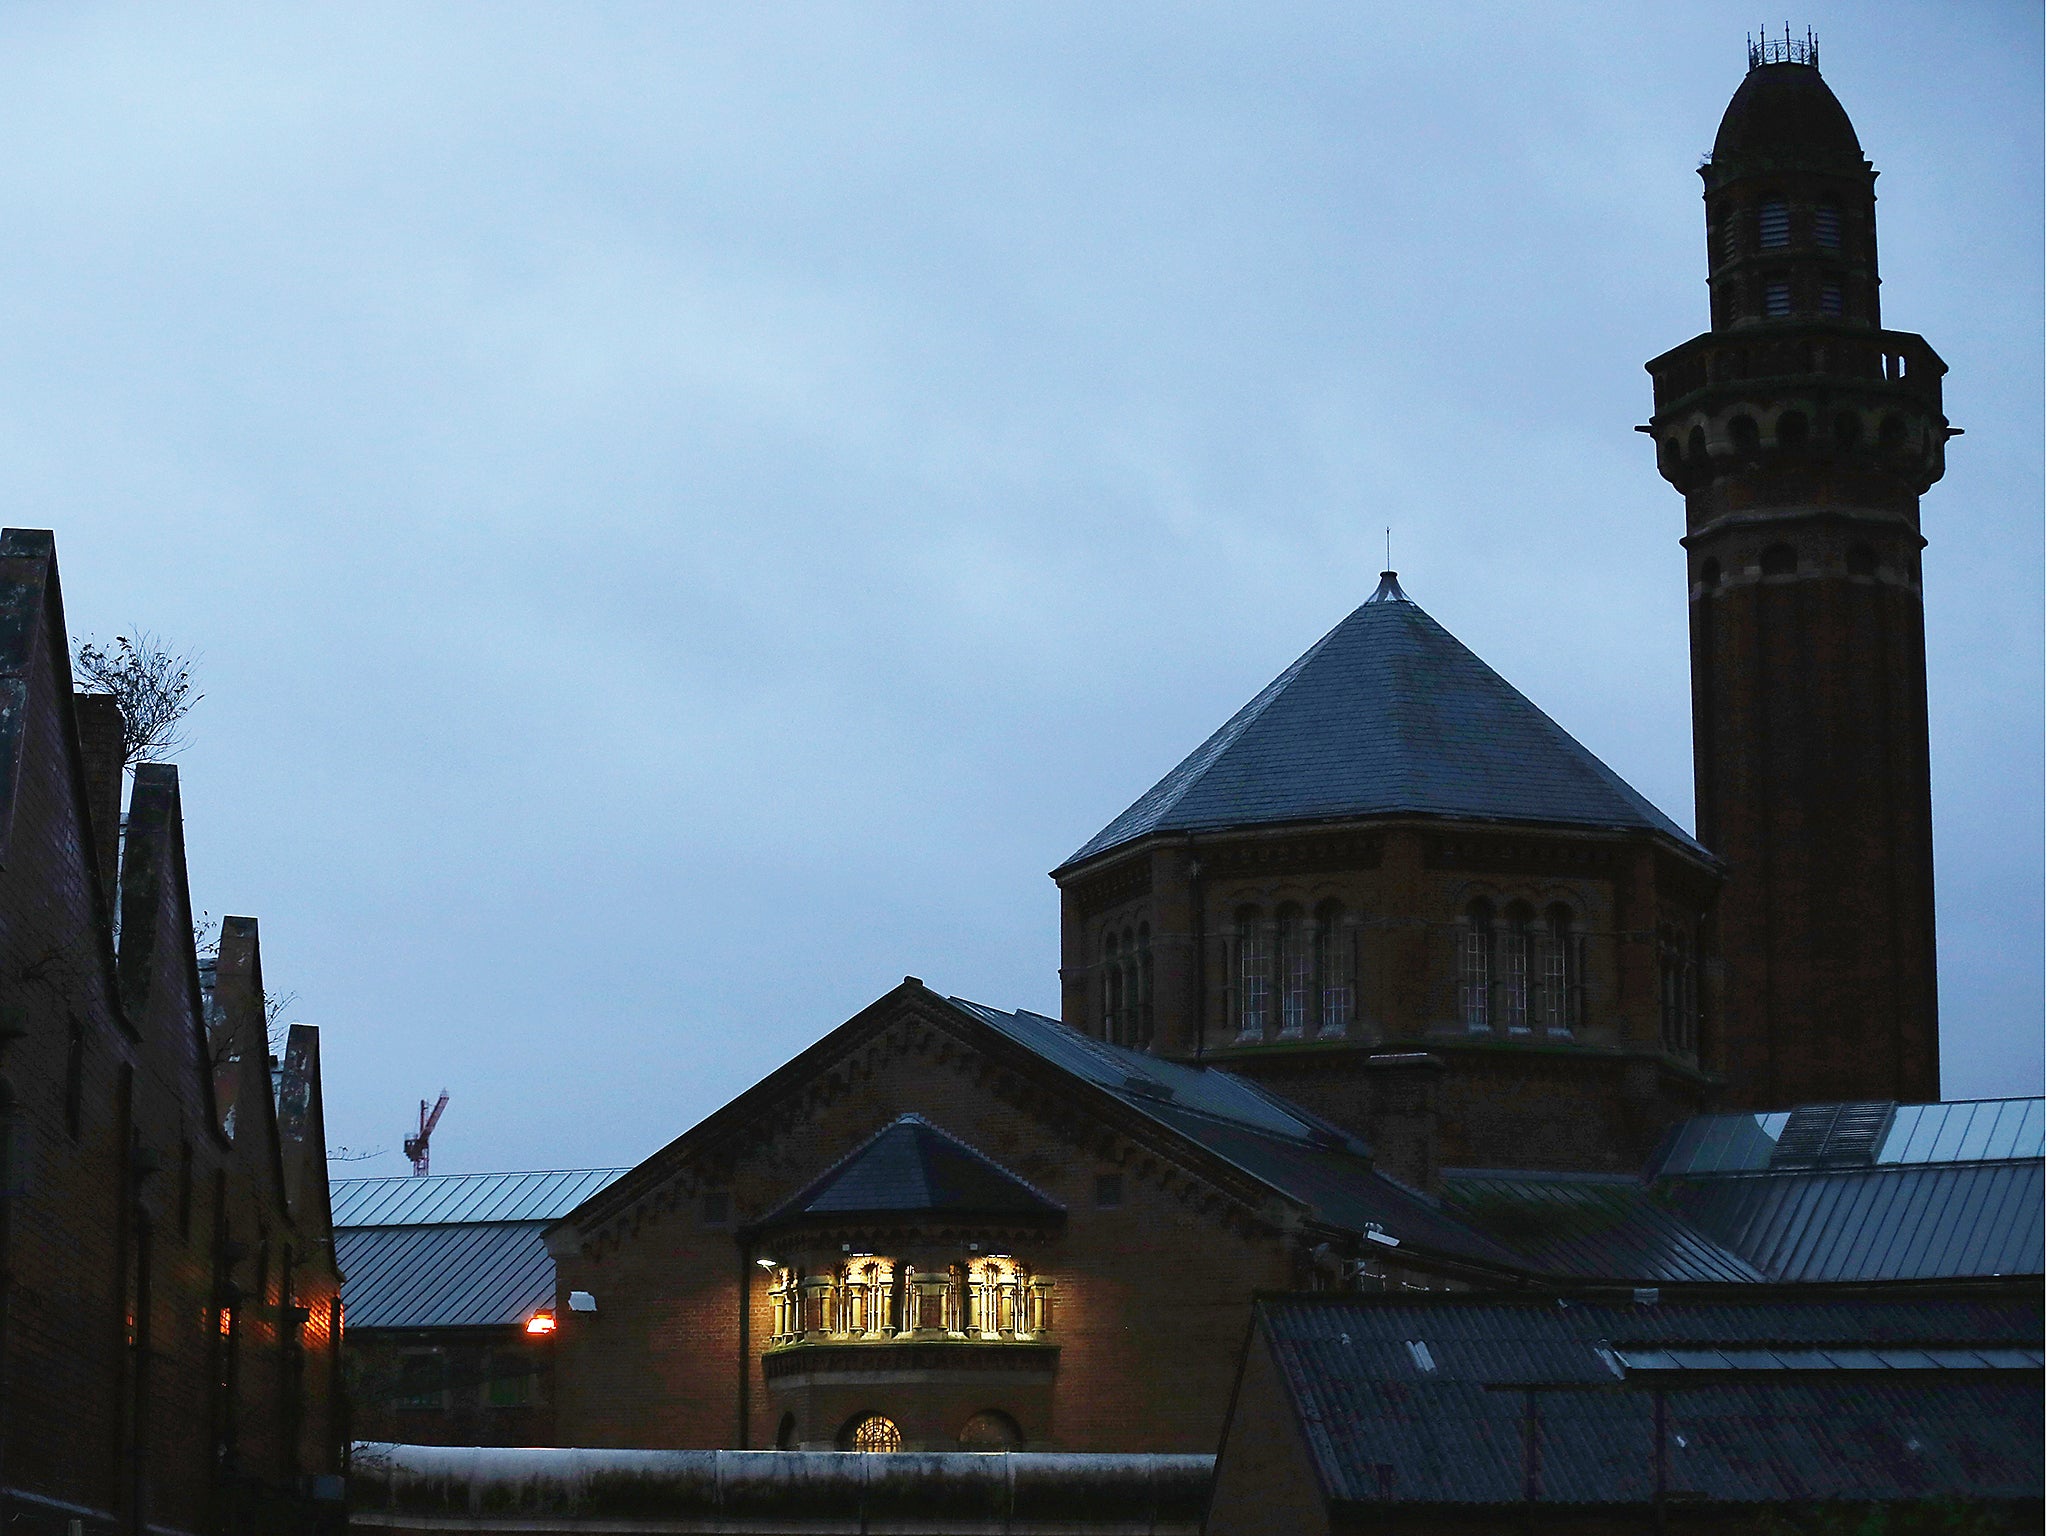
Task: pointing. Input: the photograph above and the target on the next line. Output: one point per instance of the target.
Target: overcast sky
(690, 512)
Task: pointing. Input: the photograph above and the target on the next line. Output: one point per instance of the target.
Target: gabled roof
(1387, 714)
(912, 1167)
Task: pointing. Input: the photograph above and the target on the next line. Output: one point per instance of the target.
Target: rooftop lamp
(541, 1323)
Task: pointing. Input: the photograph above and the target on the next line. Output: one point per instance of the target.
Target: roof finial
(1765, 49)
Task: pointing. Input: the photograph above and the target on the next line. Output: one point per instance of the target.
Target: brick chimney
(103, 743)
(1404, 1117)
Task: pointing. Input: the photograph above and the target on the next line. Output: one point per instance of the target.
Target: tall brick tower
(1802, 435)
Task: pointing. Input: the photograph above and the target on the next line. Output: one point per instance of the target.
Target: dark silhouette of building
(169, 1303)
(1802, 434)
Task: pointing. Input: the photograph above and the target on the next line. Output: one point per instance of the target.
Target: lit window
(1773, 225)
(1777, 300)
(1475, 967)
(1297, 975)
(1827, 228)
(873, 1433)
(1254, 982)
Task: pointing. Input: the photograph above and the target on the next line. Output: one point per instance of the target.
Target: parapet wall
(399, 1490)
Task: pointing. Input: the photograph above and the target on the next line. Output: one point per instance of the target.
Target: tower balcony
(1726, 401)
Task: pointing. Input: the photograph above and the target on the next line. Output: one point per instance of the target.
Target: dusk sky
(688, 512)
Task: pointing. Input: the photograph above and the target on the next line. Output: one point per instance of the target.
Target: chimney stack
(1404, 1117)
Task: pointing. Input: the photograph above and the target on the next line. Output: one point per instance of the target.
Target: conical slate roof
(911, 1165)
(1387, 714)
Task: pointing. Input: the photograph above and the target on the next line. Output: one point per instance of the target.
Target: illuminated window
(1333, 973)
(1475, 968)
(1254, 978)
(1514, 970)
(872, 1433)
(1297, 974)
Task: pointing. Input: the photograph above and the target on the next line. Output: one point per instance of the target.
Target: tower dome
(1785, 114)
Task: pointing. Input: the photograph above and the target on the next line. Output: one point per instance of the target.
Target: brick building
(450, 1292)
(1391, 985)
(168, 1297)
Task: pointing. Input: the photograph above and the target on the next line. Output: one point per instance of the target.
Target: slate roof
(1387, 714)
(912, 1166)
(462, 1250)
(1783, 1399)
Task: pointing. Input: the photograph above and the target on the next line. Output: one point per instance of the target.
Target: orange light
(541, 1322)
(227, 1321)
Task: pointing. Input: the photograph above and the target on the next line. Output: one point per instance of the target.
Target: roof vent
(1833, 1135)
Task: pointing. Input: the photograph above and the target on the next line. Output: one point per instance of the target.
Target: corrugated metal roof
(465, 1197)
(1590, 1226)
(1966, 1131)
(1402, 1401)
(1903, 1222)
(1386, 714)
(455, 1275)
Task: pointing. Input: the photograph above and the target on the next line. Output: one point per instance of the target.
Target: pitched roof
(1784, 1399)
(1387, 714)
(437, 1199)
(908, 1166)
(451, 1275)
(1590, 1226)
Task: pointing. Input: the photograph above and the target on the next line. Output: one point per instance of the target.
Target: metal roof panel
(465, 1197)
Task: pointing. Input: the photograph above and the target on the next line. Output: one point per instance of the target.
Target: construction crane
(416, 1146)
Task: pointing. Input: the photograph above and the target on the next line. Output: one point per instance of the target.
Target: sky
(687, 513)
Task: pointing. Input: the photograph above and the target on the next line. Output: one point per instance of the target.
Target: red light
(541, 1322)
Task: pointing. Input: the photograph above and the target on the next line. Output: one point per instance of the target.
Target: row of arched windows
(991, 1429)
(1293, 972)
(1518, 973)
(1127, 986)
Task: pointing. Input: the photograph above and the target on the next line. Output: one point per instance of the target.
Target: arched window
(991, 1430)
(1515, 965)
(1557, 973)
(1710, 573)
(785, 1433)
(1742, 432)
(1112, 988)
(1297, 974)
(1254, 976)
(1475, 968)
(1333, 969)
(1773, 224)
(1678, 990)
(871, 1432)
(1142, 996)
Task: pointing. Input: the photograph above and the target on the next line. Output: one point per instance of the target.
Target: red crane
(416, 1146)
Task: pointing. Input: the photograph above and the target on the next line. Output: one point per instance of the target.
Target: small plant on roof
(150, 681)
